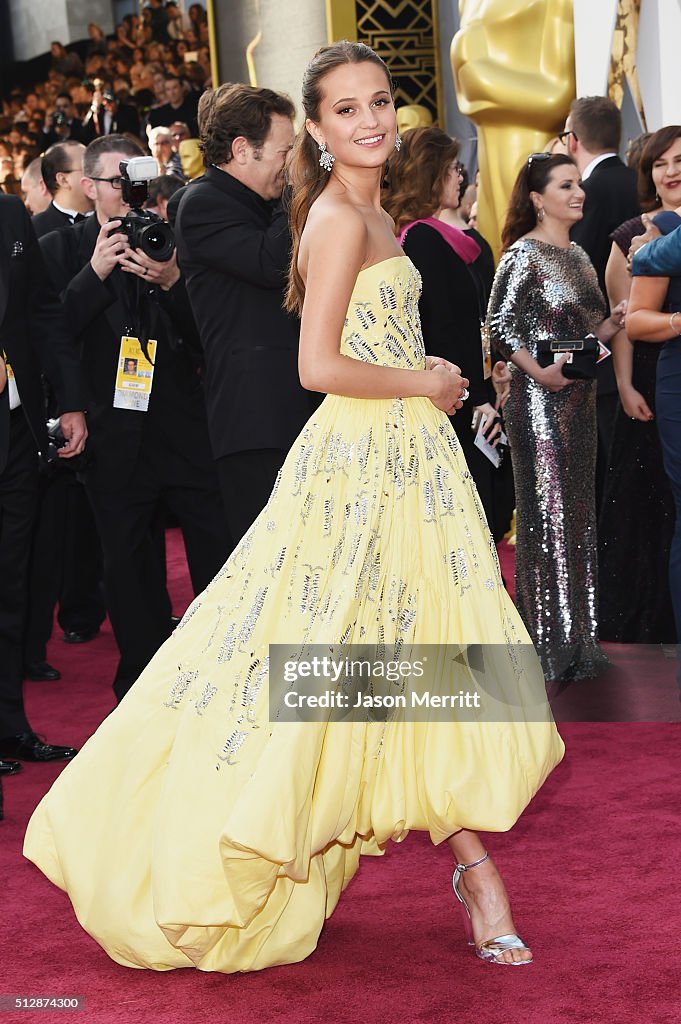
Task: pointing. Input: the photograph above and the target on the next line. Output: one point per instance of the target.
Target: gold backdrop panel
(405, 34)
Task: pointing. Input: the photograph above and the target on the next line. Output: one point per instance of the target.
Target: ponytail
(308, 179)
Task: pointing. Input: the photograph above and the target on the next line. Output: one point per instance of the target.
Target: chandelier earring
(398, 141)
(326, 159)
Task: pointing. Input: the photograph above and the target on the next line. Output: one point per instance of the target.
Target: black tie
(78, 218)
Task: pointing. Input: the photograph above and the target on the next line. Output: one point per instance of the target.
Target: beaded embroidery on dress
(191, 830)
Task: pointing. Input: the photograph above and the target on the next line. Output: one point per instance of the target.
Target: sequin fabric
(544, 291)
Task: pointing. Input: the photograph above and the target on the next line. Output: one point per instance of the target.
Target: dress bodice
(542, 291)
(382, 325)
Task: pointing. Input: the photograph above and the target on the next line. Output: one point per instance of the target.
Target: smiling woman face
(356, 116)
(666, 173)
(563, 197)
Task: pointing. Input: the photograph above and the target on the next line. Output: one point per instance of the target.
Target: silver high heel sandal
(492, 949)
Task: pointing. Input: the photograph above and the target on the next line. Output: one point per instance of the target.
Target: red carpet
(590, 867)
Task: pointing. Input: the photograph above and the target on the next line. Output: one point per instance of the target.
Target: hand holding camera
(111, 247)
(163, 274)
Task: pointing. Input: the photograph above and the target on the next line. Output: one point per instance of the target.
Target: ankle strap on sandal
(474, 864)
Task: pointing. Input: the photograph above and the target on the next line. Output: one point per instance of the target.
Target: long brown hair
(658, 143)
(417, 173)
(532, 177)
(305, 175)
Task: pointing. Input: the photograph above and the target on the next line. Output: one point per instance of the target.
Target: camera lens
(156, 240)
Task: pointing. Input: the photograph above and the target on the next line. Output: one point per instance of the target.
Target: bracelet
(671, 322)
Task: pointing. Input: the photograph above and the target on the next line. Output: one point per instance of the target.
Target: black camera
(145, 230)
(59, 119)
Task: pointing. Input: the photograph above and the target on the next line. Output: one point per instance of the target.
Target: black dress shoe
(79, 636)
(29, 747)
(9, 767)
(41, 672)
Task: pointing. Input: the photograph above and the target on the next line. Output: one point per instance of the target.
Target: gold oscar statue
(413, 115)
(514, 71)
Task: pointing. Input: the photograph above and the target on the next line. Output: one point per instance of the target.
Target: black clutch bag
(582, 355)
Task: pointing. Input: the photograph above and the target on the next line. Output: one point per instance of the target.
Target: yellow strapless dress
(191, 830)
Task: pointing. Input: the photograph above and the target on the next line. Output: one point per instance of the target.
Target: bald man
(33, 188)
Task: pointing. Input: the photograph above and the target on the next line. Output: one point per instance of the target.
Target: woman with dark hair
(655, 317)
(423, 181)
(204, 824)
(546, 289)
(636, 522)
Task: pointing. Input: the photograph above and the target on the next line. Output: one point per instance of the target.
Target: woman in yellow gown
(197, 827)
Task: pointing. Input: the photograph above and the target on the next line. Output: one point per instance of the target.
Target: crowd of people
(150, 74)
(202, 374)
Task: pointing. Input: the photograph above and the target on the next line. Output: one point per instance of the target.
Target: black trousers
(246, 482)
(127, 514)
(18, 507)
(65, 566)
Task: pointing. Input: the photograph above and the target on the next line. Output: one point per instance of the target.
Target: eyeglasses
(115, 182)
(563, 136)
(536, 157)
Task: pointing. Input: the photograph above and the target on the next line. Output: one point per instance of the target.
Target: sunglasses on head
(537, 157)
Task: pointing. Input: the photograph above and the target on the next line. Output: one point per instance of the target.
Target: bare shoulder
(334, 226)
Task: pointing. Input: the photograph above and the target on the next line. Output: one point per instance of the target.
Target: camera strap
(140, 306)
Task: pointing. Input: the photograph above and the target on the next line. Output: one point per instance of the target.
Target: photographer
(148, 447)
(60, 125)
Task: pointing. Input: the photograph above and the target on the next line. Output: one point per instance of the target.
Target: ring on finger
(464, 394)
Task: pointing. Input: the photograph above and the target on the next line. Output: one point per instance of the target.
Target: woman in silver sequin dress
(546, 287)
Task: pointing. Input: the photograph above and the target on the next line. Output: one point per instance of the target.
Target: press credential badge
(135, 375)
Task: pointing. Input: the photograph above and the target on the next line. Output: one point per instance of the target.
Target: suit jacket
(99, 313)
(33, 332)
(126, 119)
(234, 250)
(50, 219)
(611, 198)
(659, 258)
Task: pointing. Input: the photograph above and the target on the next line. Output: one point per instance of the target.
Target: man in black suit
(144, 452)
(70, 571)
(62, 169)
(234, 249)
(592, 136)
(107, 116)
(33, 335)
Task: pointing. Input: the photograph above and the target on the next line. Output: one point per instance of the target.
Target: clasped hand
(450, 392)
